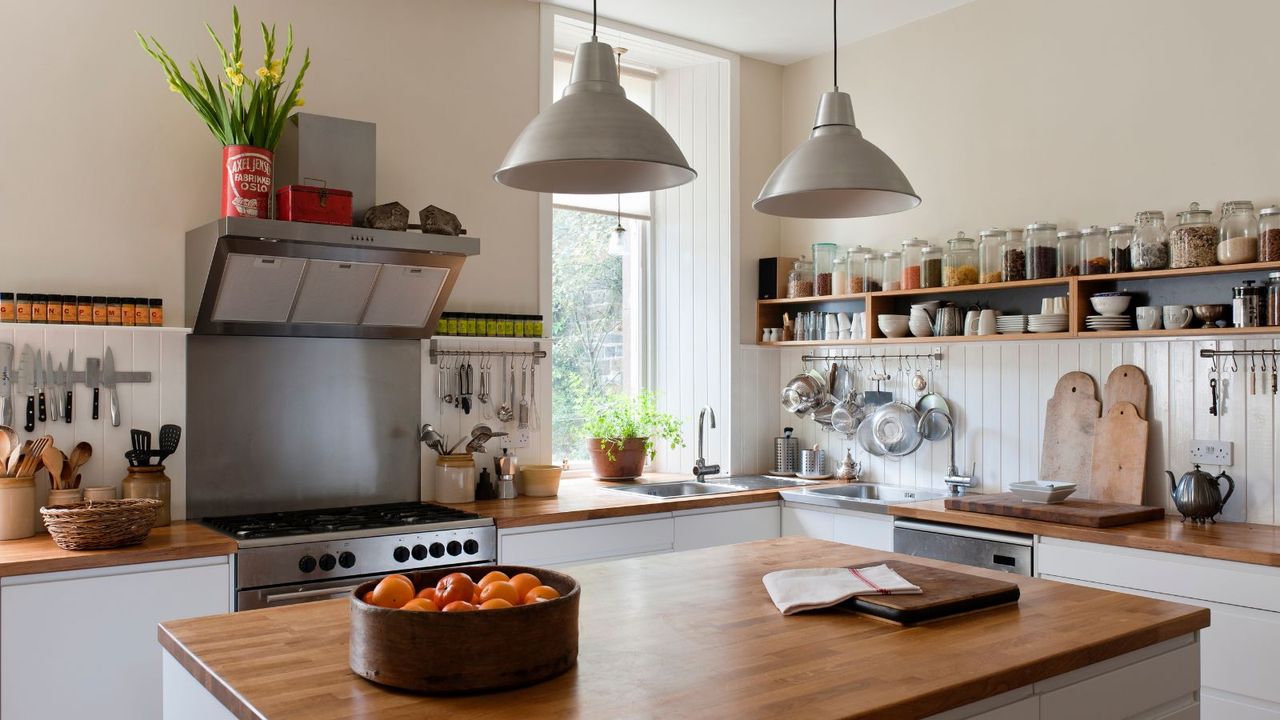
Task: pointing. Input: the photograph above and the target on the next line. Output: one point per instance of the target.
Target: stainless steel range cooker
(301, 556)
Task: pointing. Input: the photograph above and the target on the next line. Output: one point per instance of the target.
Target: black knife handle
(42, 411)
(31, 414)
(66, 414)
(95, 403)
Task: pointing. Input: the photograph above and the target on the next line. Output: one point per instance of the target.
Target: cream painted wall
(1005, 112)
(106, 170)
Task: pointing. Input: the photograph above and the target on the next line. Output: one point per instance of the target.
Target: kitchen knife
(51, 373)
(93, 378)
(6, 382)
(109, 379)
(41, 381)
(27, 385)
(69, 384)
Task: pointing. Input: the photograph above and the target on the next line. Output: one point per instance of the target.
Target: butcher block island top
(694, 634)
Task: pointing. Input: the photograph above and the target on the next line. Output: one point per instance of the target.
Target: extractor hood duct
(247, 276)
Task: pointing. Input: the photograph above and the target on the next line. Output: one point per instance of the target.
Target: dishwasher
(990, 549)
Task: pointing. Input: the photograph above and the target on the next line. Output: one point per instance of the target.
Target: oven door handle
(310, 594)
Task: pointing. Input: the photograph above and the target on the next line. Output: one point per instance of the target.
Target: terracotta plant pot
(628, 458)
(246, 181)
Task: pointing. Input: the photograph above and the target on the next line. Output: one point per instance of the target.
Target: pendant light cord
(835, 48)
(593, 20)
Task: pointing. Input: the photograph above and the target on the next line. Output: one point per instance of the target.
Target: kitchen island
(694, 634)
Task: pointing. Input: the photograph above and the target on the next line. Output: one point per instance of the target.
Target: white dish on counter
(1043, 492)
(826, 476)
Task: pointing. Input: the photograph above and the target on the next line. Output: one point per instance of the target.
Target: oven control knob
(307, 564)
(454, 547)
(419, 552)
(346, 559)
(401, 554)
(327, 562)
(471, 547)
(437, 550)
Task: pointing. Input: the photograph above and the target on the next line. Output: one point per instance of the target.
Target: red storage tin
(308, 203)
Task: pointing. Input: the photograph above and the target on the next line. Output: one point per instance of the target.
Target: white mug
(1177, 317)
(987, 322)
(1060, 306)
(1149, 317)
(1046, 306)
(971, 322)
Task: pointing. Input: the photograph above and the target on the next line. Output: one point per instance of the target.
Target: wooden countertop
(179, 541)
(694, 634)
(1240, 542)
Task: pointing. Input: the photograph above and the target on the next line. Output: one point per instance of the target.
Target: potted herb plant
(248, 127)
(623, 432)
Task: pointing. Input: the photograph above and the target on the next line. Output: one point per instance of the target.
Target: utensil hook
(1235, 368)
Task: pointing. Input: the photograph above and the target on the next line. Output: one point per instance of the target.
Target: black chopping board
(945, 593)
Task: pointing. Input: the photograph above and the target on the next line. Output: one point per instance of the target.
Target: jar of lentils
(912, 263)
(1042, 250)
(990, 245)
(1193, 241)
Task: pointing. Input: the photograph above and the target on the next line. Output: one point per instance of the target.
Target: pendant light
(593, 140)
(836, 173)
(618, 235)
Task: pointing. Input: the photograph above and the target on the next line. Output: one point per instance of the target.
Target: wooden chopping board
(1069, 420)
(1120, 455)
(1127, 383)
(945, 593)
(1087, 513)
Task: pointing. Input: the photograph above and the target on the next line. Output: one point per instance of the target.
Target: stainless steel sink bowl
(736, 483)
(764, 482)
(860, 496)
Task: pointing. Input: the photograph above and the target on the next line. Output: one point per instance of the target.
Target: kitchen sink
(860, 496)
(732, 484)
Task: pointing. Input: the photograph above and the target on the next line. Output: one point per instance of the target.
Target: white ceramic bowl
(1110, 304)
(893, 326)
(920, 328)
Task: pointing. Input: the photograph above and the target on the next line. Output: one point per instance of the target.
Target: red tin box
(308, 203)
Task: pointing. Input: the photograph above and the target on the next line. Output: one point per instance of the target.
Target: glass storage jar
(800, 279)
(1068, 250)
(1269, 234)
(891, 270)
(858, 259)
(1013, 258)
(1237, 234)
(1094, 253)
(1041, 240)
(1193, 241)
(960, 262)
(1119, 238)
(931, 266)
(1273, 299)
(840, 274)
(989, 248)
(1150, 247)
(912, 258)
(824, 260)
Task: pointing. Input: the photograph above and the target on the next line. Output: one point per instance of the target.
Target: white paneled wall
(998, 391)
(161, 351)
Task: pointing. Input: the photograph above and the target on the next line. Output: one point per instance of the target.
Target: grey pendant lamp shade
(594, 140)
(836, 173)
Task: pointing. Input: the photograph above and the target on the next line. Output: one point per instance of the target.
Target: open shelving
(1190, 286)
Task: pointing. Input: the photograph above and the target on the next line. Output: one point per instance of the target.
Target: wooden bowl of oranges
(451, 630)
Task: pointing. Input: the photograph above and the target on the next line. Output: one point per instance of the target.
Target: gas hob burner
(326, 521)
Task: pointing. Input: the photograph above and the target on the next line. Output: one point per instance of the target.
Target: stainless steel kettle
(948, 320)
(1197, 495)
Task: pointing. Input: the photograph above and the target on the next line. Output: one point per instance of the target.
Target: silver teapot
(1197, 495)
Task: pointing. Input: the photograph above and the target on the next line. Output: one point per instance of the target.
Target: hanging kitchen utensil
(536, 424)
(866, 441)
(6, 385)
(170, 435)
(109, 380)
(804, 392)
(48, 410)
(1070, 420)
(42, 379)
(893, 429)
(1119, 455)
(935, 428)
(506, 409)
(70, 385)
(93, 378)
(523, 414)
(879, 396)
(27, 386)
(465, 375)
(1126, 383)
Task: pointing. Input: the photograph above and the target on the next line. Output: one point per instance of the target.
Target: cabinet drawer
(799, 522)
(869, 530)
(726, 527)
(587, 543)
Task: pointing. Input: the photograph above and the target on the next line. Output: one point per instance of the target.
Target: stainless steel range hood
(247, 276)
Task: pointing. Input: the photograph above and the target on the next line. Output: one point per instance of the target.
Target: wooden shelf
(909, 340)
(814, 299)
(1182, 272)
(1184, 332)
(1015, 285)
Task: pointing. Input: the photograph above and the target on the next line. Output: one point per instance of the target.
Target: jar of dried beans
(931, 266)
(824, 261)
(1150, 247)
(1068, 250)
(800, 279)
(1237, 234)
(960, 263)
(1013, 259)
(912, 259)
(1269, 235)
(989, 247)
(1042, 250)
(1193, 241)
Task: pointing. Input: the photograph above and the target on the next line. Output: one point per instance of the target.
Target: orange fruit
(420, 605)
(454, 587)
(428, 594)
(524, 582)
(495, 604)
(502, 590)
(368, 597)
(494, 576)
(392, 591)
(542, 593)
(459, 606)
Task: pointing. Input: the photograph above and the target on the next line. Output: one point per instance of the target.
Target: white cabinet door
(591, 541)
(83, 644)
(725, 526)
(803, 522)
(869, 530)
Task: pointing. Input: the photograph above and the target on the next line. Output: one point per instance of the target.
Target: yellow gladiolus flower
(237, 79)
(240, 66)
(276, 67)
(300, 102)
(262, 72)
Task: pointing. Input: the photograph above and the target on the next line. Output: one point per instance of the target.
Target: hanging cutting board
(1119, 455)
(944, 593)
(1069, 420)
(1127, 383)
(1086, 513)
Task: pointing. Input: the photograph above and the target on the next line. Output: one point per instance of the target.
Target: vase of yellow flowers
(246, 112)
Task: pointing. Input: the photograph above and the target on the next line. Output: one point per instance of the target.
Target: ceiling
(776, 31)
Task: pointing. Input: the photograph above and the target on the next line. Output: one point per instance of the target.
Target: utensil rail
(537, 353)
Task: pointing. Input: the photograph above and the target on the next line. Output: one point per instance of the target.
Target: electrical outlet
(1211, 452)
(515, 440)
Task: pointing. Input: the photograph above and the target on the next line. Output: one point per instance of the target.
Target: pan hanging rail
(935, 356)
(434, 353)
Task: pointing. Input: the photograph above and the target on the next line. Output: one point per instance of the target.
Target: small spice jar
(1237, 234)
(800, 279)
(1041, 240)
(84, 310)
(22, 308)
(39, 307)
(912, 258)
(69, 315)
(127, 313)
(155, 315)
(1150, 247)
(149, 482)
(1094, 254)
(1193, 241)
(8, 307)
(1119, 238)
(141, 312)
(115, 312)
(891, 270)
(53, 309)
(1269, 234)
(990, 247)
(99, 309)
(1068, 250)
(960, 262)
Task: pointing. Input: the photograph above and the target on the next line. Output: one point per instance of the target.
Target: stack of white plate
(1011, 324)
(1043, 323)
(1108, 322)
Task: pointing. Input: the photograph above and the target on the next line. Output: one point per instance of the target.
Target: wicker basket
(101, 524)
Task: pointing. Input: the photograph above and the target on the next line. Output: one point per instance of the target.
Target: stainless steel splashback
(295, 423)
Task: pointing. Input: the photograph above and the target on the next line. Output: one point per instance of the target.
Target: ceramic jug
(1197, 494)
(949, 320)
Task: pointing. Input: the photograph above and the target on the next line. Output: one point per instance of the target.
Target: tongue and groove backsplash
(998, 391)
